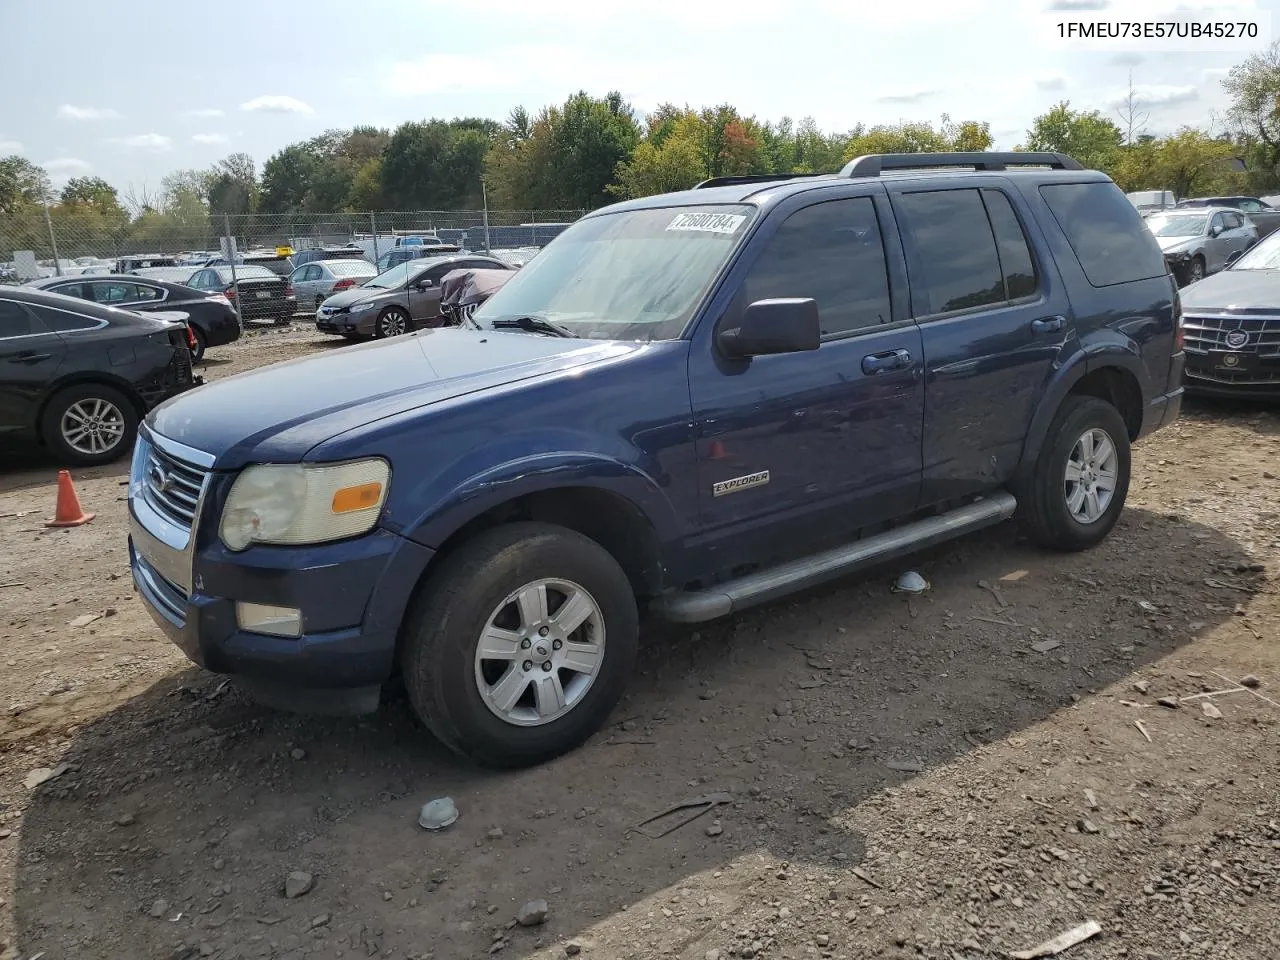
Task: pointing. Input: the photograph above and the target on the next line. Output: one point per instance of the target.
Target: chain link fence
(73, 241)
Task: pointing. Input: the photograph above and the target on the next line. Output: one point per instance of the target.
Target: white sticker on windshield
(707, 222)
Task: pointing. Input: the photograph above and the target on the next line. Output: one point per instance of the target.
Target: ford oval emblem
(1237, 339)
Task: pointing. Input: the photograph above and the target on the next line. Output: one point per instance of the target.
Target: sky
(132, 91)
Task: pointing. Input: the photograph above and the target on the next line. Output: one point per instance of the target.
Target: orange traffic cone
(69, 512)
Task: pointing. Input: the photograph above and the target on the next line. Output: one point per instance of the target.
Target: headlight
(302, 503)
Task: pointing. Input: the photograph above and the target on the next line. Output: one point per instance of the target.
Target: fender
(436, 521)
(1096, 355)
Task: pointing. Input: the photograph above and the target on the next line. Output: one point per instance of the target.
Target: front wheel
(519, 646)
(392, 322)
(1081, 479)
(1195, 270)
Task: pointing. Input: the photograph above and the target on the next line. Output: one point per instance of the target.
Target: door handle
(1046, 325)
(889, 360)
(30, 357)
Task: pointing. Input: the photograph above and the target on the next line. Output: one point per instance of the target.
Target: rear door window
(17, 321)
(63, 321)
(1107, 235)
(1016, 262)
(956, 250)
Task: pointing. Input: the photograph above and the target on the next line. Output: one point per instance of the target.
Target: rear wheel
(89, 424)
(519, 646)
(201, 343)
(1081, 479)
(1195, 270)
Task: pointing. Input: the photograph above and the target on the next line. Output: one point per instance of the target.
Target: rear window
(352, 268)
(246, 272)
(1106, 233)
(280, 268)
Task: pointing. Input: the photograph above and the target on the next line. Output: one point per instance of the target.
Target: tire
(391, 322)
(469, 593)
(197, 352)
(1047, 507)
(68, 407)
(1195, 271)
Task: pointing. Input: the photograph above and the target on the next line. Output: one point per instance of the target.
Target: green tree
(21, 183)
(287, 178)
(93, 206)
(674, 164)
(233, 185)
(1254, 88)
(588, 141)
(1089, 137)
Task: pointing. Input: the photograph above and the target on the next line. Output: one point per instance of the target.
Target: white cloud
(10, 146)
(209, 138)
(1156, 96)
(144, 142)
(911, 96)
(69, 112)
(276, 104)
(66, 166)
(1051, 82)
(214, 112)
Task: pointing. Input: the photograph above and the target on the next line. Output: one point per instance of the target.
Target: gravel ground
(960, 775)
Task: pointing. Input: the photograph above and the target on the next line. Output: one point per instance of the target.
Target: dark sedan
(78, 376)
(263, 294)
(1231, 327)
(403, 298)
(211, 317)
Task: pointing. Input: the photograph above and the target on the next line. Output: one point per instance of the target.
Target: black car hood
(1234, 290)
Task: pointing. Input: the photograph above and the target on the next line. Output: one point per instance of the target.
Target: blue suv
(686, 405)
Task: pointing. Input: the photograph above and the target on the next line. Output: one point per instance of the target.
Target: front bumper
(352, 595)
(347, 323)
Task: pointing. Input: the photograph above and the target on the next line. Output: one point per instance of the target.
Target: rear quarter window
(1107, 235)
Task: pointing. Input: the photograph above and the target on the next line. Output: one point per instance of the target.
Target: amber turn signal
(360, 497)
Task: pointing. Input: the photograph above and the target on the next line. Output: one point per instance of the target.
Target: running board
(766, 585)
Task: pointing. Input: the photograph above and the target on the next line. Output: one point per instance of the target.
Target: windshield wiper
(533, 325)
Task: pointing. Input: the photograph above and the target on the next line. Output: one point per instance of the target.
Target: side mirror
(784, 325)
(423, 283)
(1215, 231)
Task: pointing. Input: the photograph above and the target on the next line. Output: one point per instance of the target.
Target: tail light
(1177, 324)
(229, 293)
(288, 289)
(343, 284)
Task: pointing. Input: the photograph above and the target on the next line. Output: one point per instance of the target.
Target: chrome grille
(1210, 332)
(173, 486)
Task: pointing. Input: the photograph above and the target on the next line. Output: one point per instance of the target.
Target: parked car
(1232, 327)
(1264, 216)
(179, 274)
(211, 317)
(78, 376)
(137, 262)
(303, 257)
(263, 294)
(403, 298)
(399, 255)
(689, 403)
(278, 264)
(1198, 242)
(317, 281)
(1152, 201)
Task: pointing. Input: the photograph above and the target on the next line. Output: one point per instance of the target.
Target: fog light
(264, 618)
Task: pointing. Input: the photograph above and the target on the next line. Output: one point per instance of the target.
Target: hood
(278, 413)
(1234, 290)
(354, 295)
(1173, 244)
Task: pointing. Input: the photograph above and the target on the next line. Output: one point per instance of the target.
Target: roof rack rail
(754, 178)
(873, 164)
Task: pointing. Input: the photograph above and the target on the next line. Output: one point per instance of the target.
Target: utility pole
(484, 195)
(57, 264)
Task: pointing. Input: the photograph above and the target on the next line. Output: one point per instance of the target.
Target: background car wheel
(89, 424)
(519, 646)
(1195, 270)
(391, 322)
(197, 352)
(1081, 479)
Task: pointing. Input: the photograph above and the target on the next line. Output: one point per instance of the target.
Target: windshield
(351, 268)
(634, 275)
(1265, 255)
(1185, 225)
(397, 276)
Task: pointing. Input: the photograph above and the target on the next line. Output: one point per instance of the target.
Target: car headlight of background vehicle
(304, 503)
